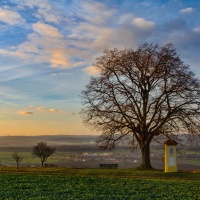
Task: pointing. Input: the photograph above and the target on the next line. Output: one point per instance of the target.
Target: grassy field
(27, 157)
(92, 184)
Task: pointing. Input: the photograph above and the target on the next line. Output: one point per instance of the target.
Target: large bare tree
(143, 93)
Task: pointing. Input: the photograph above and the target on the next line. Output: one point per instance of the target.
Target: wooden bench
(110, 166)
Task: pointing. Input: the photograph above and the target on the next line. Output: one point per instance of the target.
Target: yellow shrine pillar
(170, 156)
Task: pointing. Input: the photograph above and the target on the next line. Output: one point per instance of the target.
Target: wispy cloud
(91, 70)
(41, 109)
(144, 24)
(31, 106)
(126, 18)
(86, 34)
(46, 30)
(53, 110)
(10, 17)
(197, 30)
(86, 39)
(187, 10)
(45, 45)
(92, 12)
(59, 58)
(25, 113)
(44, 10)
(46, 13)
(61, 74)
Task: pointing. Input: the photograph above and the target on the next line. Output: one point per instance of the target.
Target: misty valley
(81, 151)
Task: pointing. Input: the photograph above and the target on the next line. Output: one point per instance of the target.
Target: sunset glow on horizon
(47, 49)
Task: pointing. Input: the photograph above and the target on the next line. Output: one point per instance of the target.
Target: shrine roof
(170, 142)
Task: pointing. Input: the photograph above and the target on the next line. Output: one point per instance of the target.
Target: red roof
(170, 142)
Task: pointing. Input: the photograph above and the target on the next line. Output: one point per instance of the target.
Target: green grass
(6, 157)
(105, 173)
(194, 162)
(13, 187)
(92, 184)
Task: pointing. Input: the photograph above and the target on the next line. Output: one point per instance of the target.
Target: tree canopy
(144, 93)
(42, 151)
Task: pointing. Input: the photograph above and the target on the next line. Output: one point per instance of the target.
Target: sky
(47, 49)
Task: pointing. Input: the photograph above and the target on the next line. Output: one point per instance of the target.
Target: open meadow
(125, 184)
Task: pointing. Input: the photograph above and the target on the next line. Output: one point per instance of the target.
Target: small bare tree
(17, 158)
(42, 151)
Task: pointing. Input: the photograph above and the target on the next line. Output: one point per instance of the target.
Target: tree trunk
(42, 163)
(146, 163)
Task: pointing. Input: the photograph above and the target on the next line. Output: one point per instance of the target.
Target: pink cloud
(25, 113)
(53, 110)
